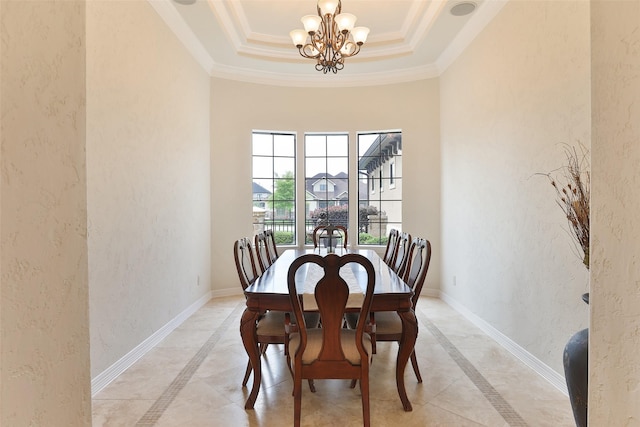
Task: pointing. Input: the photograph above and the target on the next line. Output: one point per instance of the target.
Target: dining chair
(331, 351)
(270, 327)
(392, 244)
(402, 252)
(387, 324)
(271, 245)
(321, 232)
(262, 251)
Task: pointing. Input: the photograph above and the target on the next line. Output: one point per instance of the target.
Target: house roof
(382, 149)
(341, 182)
(259, 189)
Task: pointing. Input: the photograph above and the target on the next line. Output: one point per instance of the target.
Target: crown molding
(290, 54)
(320, 80)
(427, 21)
(174, 21)
(226, 22)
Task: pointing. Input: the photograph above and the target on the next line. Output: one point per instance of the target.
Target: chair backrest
(402, 252)
(321, 231)
(262, 251)
(417, 266)
(392, 244)
(271, 245)
(245, 262)
(331, 294)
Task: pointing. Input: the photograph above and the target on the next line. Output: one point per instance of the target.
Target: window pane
(380, 189)
(315, 166)
(262, 167)
(274, 185)
(315, 146)
(326, 181)
(337, 165)
(284, 145)
(262, 144)
(282, 165)
(337, 145)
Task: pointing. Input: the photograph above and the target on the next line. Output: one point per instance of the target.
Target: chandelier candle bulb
(311, 23)
(298, 37)
(328, 7)
(346, 22)
(360, 34)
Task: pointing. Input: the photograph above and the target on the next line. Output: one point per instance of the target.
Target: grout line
(154, 413)
(503, 407)
(158, 408)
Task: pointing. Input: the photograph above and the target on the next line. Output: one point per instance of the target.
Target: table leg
(407, 343)
(250, 341)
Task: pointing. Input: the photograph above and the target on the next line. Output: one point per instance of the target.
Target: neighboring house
(382, 164)
(260, 196)
(323, 190)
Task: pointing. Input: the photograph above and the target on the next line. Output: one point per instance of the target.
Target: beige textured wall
(238, 108)
(520, 89)
(147, 177)
(614, 359)
(44, 363)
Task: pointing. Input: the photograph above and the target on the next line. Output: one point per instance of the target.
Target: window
(381, 211)
(274, 177)
(326, 180)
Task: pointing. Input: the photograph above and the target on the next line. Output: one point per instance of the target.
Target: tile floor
(193, 378)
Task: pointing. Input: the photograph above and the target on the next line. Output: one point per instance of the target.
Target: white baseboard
(111, 373)
(557, 380)
(433, 293)
(103, 379)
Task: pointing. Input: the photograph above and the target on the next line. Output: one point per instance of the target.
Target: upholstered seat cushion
(271, 323)
(387, 322)
(314, 345)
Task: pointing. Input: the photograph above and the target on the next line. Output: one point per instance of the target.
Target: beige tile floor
(193, 378)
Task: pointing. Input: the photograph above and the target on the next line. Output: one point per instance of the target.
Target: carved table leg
(250, 341)
(407, 343)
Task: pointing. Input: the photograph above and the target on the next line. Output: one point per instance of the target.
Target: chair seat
(314, 345)
(271, 323)
(387, 323)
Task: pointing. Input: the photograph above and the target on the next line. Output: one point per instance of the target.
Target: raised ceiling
(249, 40)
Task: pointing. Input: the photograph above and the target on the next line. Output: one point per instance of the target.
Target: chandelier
(332, 36)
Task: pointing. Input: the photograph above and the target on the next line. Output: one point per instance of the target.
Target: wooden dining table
(270, 292)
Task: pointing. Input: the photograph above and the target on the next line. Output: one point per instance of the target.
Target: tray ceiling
(249, 39)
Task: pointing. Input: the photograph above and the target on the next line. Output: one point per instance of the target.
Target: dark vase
(576, 372)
